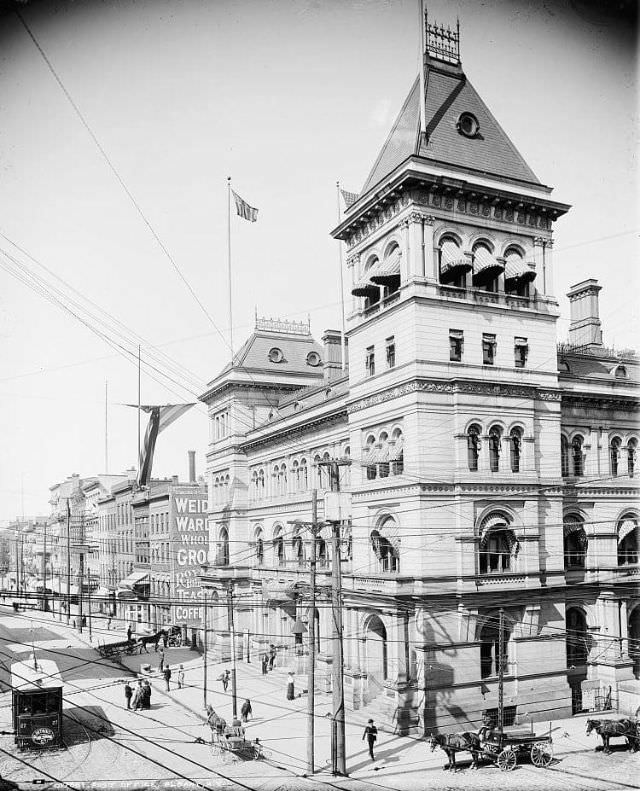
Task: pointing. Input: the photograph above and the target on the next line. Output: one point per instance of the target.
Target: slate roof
(448, 94)
(253, 355)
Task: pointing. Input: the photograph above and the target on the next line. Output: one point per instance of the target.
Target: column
(430, 255)
(547, 255)
(538, 259)
(353, 265)
(406, 270)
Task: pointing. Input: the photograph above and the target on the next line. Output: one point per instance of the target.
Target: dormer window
(313, 359)
(468, 125)
(276, 355)
(621, 372)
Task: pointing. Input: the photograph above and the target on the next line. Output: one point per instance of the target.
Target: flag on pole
(244, 210)
(349, 197)
(160, 418)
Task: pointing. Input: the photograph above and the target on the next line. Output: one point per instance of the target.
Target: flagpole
(229, 265)
(106, 425)
(422, 45)
(344, 337)
(139, 397)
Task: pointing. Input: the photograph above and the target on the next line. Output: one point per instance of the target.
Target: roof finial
(443, 43)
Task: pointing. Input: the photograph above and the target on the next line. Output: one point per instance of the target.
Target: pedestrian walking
(246, 711)
(146, 694)
(167, 677)
(265, 664)
(180, 677)
(108, 623)
(272, 656)
(128, 693)
(224, 677)
(370, 734)
(161, 663)
(129, 633)
(165, 638)
(291, 693)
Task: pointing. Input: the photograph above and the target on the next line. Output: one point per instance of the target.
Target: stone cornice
(300, 428)
(454, 387)
(218, 389)
(604, 401)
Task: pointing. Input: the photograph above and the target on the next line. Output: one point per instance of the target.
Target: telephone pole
(501, 672)
(338, 748)
(68, 561)
(311, 678)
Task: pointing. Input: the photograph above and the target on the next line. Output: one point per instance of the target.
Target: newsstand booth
(36, 690)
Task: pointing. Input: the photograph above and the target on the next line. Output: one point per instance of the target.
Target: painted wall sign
(190, 545)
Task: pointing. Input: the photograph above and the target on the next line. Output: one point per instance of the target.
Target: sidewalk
(401, 762)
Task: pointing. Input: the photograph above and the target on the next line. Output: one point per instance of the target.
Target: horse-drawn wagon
(501, 747)
(229, 741)
(627, 728)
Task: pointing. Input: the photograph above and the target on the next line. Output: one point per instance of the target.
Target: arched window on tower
(278, 547)
(498, 545)
(473, 447)
(370, 454)
(385, 546)
(396, 454)
(304, 475)
(383, 457)
(575, 542)
(298, 550)
(223, 547)
(295, 477)
(259, 548)
(454, 264)
(577, 456)
(614, 455)
(516, 448)
(628, 540)
(632, 447)
(495, 437)
(564, 456)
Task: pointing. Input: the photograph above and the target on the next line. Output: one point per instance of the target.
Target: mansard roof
(448, 94)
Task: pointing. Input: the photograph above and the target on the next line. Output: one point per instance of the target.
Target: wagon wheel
(541, 754)
(507, 760)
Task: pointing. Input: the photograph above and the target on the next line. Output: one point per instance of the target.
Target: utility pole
(204, 648)
(232, 629)
(44, 570)
(501, 672)
(68, 562)
(80, 586)
(311, 682)
(338, 749)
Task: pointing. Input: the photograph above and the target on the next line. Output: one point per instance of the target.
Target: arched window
(396, 454)
(316, 464)
(473, 447)
(298, 550)
(498, 545)
(628, 540)
(564, 456)
(577, 456)
(575, 542)
(259, 547)
(516, 448)
(275, 480)
(614, 455)
(577, 637)
(454, 264)
(370, 455)
(345, 470)
(490, 647)
(632, 446)
(223, 549)
(321, 553)
(385, 545)
(375, 653)
(304, 476)
(383, 456)
(283, 479)
(495, 435)
(261, 482)
(295, 477)
(486, 267)
(254, 484)
(278, 547)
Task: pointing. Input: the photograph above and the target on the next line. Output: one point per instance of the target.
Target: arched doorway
(376, 654)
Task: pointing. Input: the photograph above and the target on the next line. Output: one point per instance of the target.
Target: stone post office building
(490, 466)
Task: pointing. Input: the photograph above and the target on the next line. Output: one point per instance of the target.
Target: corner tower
(454, 407)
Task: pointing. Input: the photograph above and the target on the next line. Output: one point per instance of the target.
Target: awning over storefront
(278, 590)
(132, 586)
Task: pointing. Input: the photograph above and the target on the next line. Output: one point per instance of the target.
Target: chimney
(131, 473)
(585, 329)
(332, 366)
(192, 465)
(175, 479)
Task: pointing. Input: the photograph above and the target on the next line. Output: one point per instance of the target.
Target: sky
(286, 98)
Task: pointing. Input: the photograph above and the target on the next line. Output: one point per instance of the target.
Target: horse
(216, 723)
(608, 728)
(453, 743)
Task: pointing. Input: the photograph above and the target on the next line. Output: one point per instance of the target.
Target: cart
(504, 749)
(238, 748)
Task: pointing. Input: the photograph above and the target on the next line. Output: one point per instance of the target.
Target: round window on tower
(313, 359)
(468, 125)
(276, 355)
